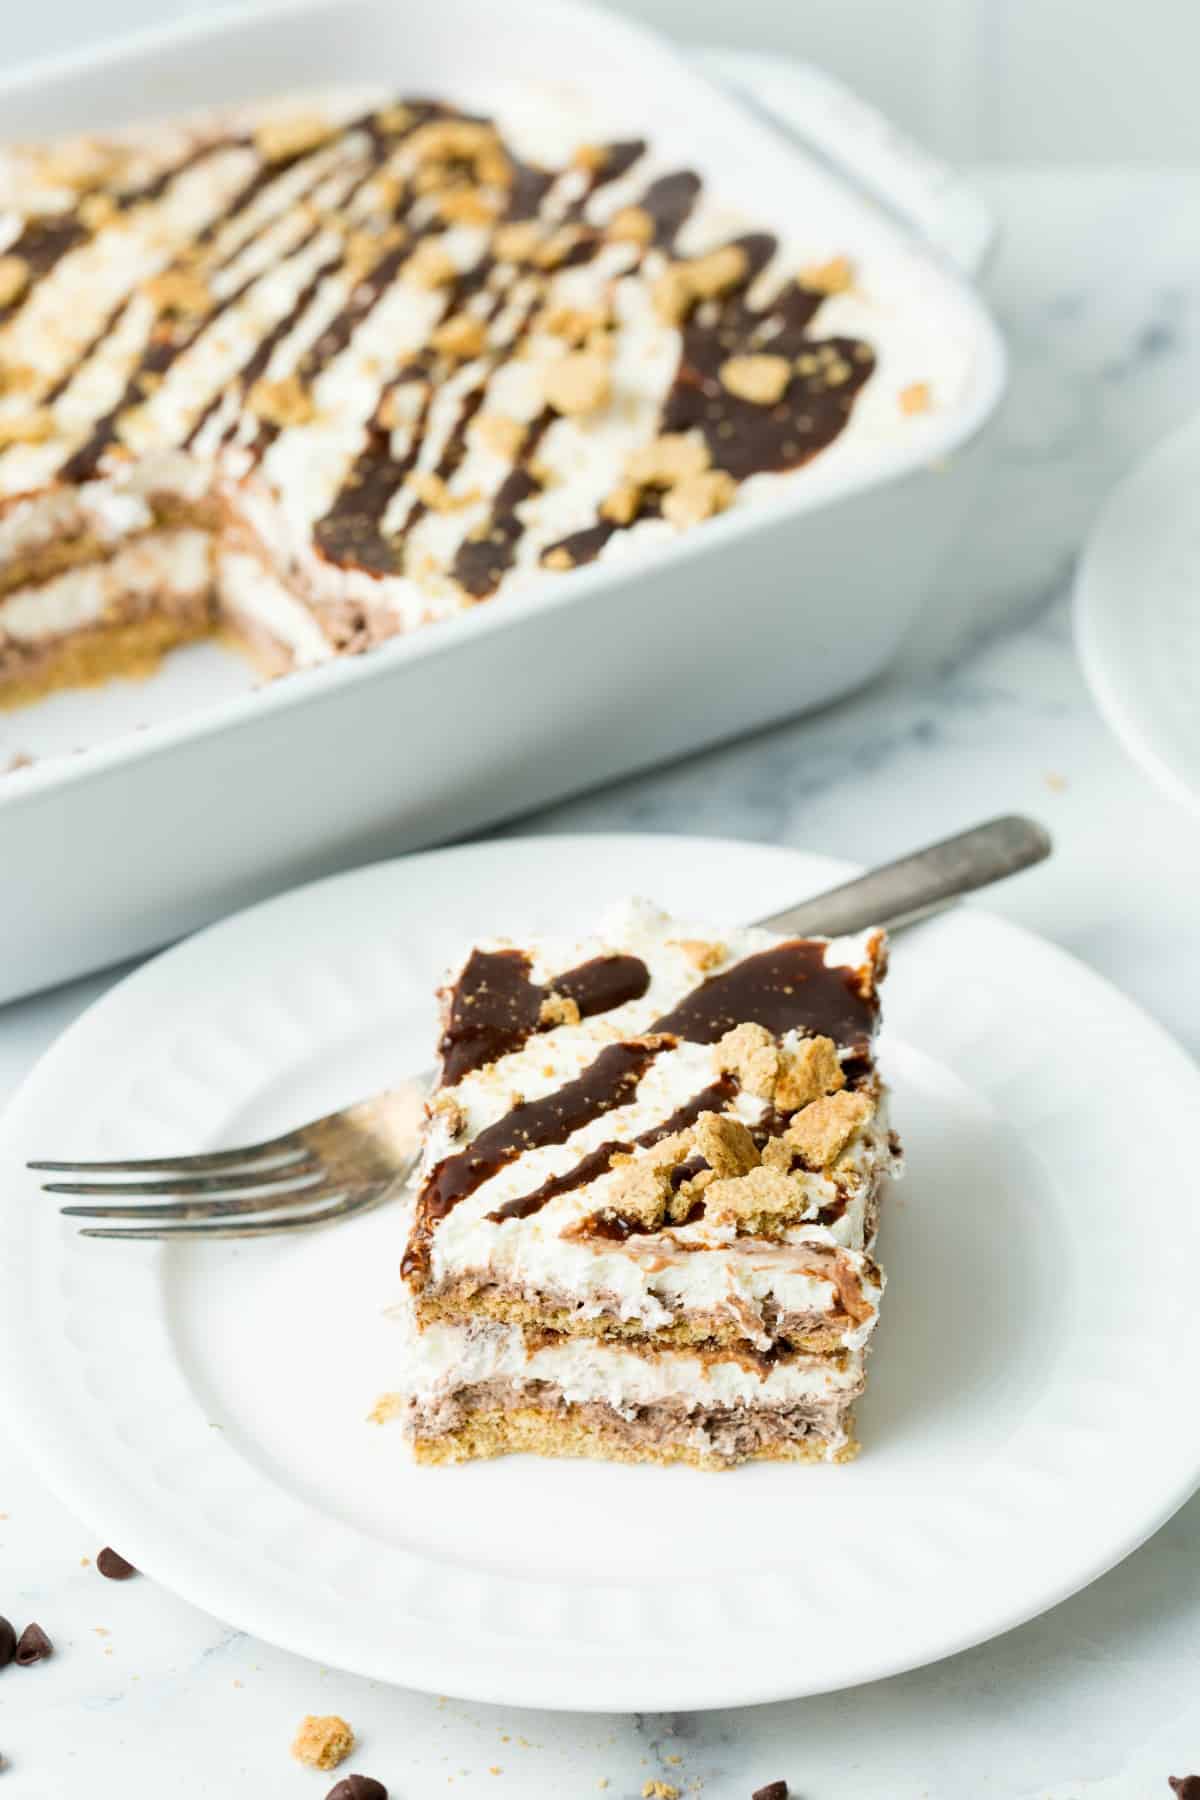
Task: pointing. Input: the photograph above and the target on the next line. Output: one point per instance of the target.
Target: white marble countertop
(1098, 287)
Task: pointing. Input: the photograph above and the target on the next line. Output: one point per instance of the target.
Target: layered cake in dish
(647, 1199)
(315, 374)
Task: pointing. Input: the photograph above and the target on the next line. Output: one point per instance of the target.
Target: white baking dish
(226, 795)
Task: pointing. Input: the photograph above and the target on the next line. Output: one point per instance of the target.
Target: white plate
(1137, 615)
(1032, 1409)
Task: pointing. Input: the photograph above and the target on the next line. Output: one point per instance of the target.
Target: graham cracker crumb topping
(323, 1741)
(760, 379)
(631, 225)
(460, 337)
(672, 457)
(429, 266)
(820, 1132)
(559, 1009)
(27, 428)
(701, 954)
(833, 277)
(750, 1053)
(701, 497)
(578, 383)
(14, 278)
(277, 139)
(501, 435)
(916, 398)
(807, 1073)
(286, 402)
(178, 291)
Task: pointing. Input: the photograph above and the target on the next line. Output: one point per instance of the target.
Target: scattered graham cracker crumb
(277, 140)
(591, 157)
(1056, 783)
(631, 225)
(285, 402)
(27, 428)
(445, 1107)
(670, 458)
(821, 1132)
(702, 497)
(760, 379)
(750, 1053)
(916, 398)
(702, 955)
(17, 378)
(14, 278)
(559, 1009)
(555, 249)
(97, 210)
(502, 436)
(807, 1073)
(516, 241)
(725, 1144)
(621, 505)
(577, 324)
(461, 336)
(466, 206)
(323, 1741)
(432, 491)
(757, 1201)
(393, 119)
(559, 558)
(578, 383)
(178, 291)
(833, 277)
(660, 1790)
(429, 266)
(388, 1406)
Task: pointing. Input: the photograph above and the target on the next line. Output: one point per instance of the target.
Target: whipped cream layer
(494, 1236)
(442, 1362)
(413, 376)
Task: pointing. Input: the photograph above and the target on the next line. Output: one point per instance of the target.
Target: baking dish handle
(861, 143)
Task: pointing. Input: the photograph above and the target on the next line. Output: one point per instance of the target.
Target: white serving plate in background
(1137, 615)
(196, 794)
(1031, 1415)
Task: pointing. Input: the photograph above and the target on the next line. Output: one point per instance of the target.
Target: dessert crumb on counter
(323, 1741)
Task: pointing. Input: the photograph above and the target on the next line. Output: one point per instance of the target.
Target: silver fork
(353, 1158)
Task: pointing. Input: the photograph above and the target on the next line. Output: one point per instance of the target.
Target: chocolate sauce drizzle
(597, 1162)
(789, 987)
(610, 1081)
(495, 1007)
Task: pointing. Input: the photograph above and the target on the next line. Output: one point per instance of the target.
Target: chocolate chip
(774, 1790)
(33, 1646)
(1187, 1787)
(358, 1787)
(8, 1643)
(114, 1567)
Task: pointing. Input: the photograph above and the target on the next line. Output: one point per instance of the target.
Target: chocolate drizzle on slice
(495, 1007)
(597, 1162)
(610, 1081)
(789, 987)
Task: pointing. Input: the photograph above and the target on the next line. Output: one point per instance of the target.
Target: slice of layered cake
(647, 1199)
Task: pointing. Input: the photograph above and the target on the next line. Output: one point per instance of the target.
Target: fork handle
(901, 892)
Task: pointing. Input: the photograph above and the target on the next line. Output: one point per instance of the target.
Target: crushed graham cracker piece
(577, 324)
(17, 378)
(578, 383)
(833, 277)
(364, 248)
(98, 210)
(466, 206)
(81, 163)
(725, 1145)
(394, 119)
(631, 225)
(807, 1073)
(559, 559)
(429, 266)
(701, 497)
(559, 1009)
(642, 1189)
(27, 428)
(592, 157)
(448, 1110)
(761, 379)
(669, 459)
(621, 505)
(500, 434)
(278, 140)
(701, 953)
(715, 274)
(554, 250)
(757, 1201)
(14, 278)
(388, 1406)
(660, 1790)
(516, 241)
(323, 1741)
(452, 140)
(672, 294)
(822, 1130)
(433, 492)
(750, 1053)
(283, 403)
(915, 398)
(178, 292)
(461, 337)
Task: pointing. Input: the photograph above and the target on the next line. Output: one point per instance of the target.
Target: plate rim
(484, 1675)
(1133, 725)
